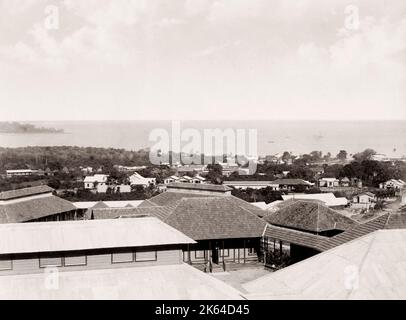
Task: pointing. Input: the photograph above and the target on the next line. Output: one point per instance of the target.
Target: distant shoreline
(26, 128)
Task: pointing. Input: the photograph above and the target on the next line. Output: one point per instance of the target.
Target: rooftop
(311, 216)
(370, 267)
(85, 235)
(26, 192)
(33, 209)
(198, 186)
(169, 282)
(329, 199)
(292, 182)
(215, 218)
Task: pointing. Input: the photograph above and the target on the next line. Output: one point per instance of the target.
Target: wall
(95, 259)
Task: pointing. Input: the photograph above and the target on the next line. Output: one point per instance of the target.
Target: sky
(202, 59)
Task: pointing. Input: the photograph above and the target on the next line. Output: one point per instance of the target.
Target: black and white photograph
(202, 150)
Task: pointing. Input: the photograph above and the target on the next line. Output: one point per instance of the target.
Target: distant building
(329, 182)
(393, 184)
(365, 200)
(93, 182)
(171, 179)
(292, 184)
(35, 204)
(138, 180)
(243, 185)
(345, 182)
(329, 199)
(23, 173)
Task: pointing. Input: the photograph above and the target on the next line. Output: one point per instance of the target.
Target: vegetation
(56, 158)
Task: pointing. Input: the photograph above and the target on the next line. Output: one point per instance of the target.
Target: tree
(286, 156)
(342, 155)
(215, 174)
(367, 154)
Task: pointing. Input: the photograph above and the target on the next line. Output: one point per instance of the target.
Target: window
(200, 254)
(72, 259)
(6, 263)
(50, 260)
(226, 253)
(145, 256)
(122, 257)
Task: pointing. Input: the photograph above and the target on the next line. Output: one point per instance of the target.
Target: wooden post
(188, 254)
(244, 251)
(280, 251)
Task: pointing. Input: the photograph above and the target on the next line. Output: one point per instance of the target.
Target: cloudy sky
(202, 59)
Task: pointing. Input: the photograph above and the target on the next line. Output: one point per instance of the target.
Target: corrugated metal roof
(371, 267)
(167, 282)
(89, 234)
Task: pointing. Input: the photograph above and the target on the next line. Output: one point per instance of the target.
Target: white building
(138, 180)
(21, 173)
(365, 200)
(393, 184)
(329, 182)
(93, 182)
(329, 199)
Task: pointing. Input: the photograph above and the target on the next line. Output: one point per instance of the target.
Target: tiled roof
(168, 198)
(199, 186)
(310, 216)
(20, 193)
(33, 209)
(215, 218)
(301, 238)
(321, 243)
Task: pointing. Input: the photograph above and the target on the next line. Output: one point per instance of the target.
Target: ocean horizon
(274, 136)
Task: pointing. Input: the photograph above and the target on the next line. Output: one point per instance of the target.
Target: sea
(273, 137)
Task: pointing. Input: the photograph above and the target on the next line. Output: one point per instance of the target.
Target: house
(311, 222)
(345, 182)
(329, 199)
(104, 259)
(292, 184)
(329, 182)
(227, 230)
(92, 182)
(86, 170)
(203, 189)
(367, 268)
(364, 200)
(35, 204)
(138, 180)
(245, 184)
(228, 168)
(191, 170)
(23, 173)
(393, 184)
(171, 179)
